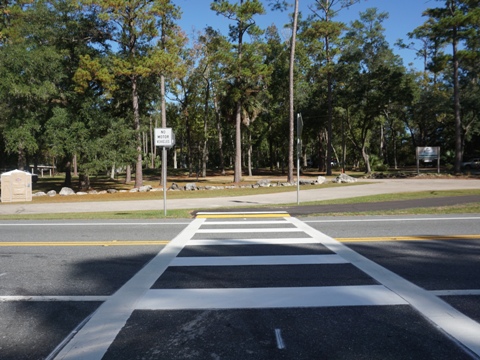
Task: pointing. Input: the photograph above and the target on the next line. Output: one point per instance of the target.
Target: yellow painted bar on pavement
(231, 215)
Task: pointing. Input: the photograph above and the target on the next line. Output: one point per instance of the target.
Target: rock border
(66, 191)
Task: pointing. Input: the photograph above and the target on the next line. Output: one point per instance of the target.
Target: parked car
(471, 164)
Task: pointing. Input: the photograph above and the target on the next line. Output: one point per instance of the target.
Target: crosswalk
(239, 261)
(279, 258)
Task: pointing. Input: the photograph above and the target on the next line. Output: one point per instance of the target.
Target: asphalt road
(55, 275)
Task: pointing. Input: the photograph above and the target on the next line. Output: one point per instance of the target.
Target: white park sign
(164, 137)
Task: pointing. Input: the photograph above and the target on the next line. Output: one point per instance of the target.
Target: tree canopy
(85, 82)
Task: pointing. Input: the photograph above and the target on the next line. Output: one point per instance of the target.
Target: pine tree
(457, 23)
(246, 66)
(147, 41)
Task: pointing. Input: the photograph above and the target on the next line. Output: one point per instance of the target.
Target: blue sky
(404, 17)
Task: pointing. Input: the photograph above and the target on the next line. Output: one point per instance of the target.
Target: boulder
(306, 182)
(112, 191)
(52, 193)
(344, 178)
(190, 187)
(321, 180)
(40, 193)
(263, 183)
(145, 188)
(66, 191)
(174, 187)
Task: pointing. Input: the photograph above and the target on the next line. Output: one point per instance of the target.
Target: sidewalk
(368, 187)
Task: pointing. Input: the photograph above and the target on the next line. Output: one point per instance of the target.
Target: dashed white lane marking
(10, 298)
(466, 292)
(278, 337)
(93, 340)
(258, 260)
(476, 218)
(257, 298)
(458, 326)
(125, 223)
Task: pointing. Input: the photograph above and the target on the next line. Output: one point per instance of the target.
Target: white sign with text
(164, 137)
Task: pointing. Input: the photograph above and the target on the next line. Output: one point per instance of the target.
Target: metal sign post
(164, 179)
(165, 138)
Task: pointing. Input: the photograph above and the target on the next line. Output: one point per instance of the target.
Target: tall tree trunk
(152, 146)
(220, 135)
(366, 159)
(136, 117)
(128, 174)
(237, 177)
(112, 172)
(189, 156)
(205, 130)
(395, 152)
(329, 95)
(382, 143)
(321, 153)
(68, 175)
(250, 150)
(291, 139)
(75, 165)
(84, 182)
(22, 159)
(456, 99)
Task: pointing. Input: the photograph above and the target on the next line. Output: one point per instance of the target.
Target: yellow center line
(164, 242)
(84, 243)
(410, 238)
